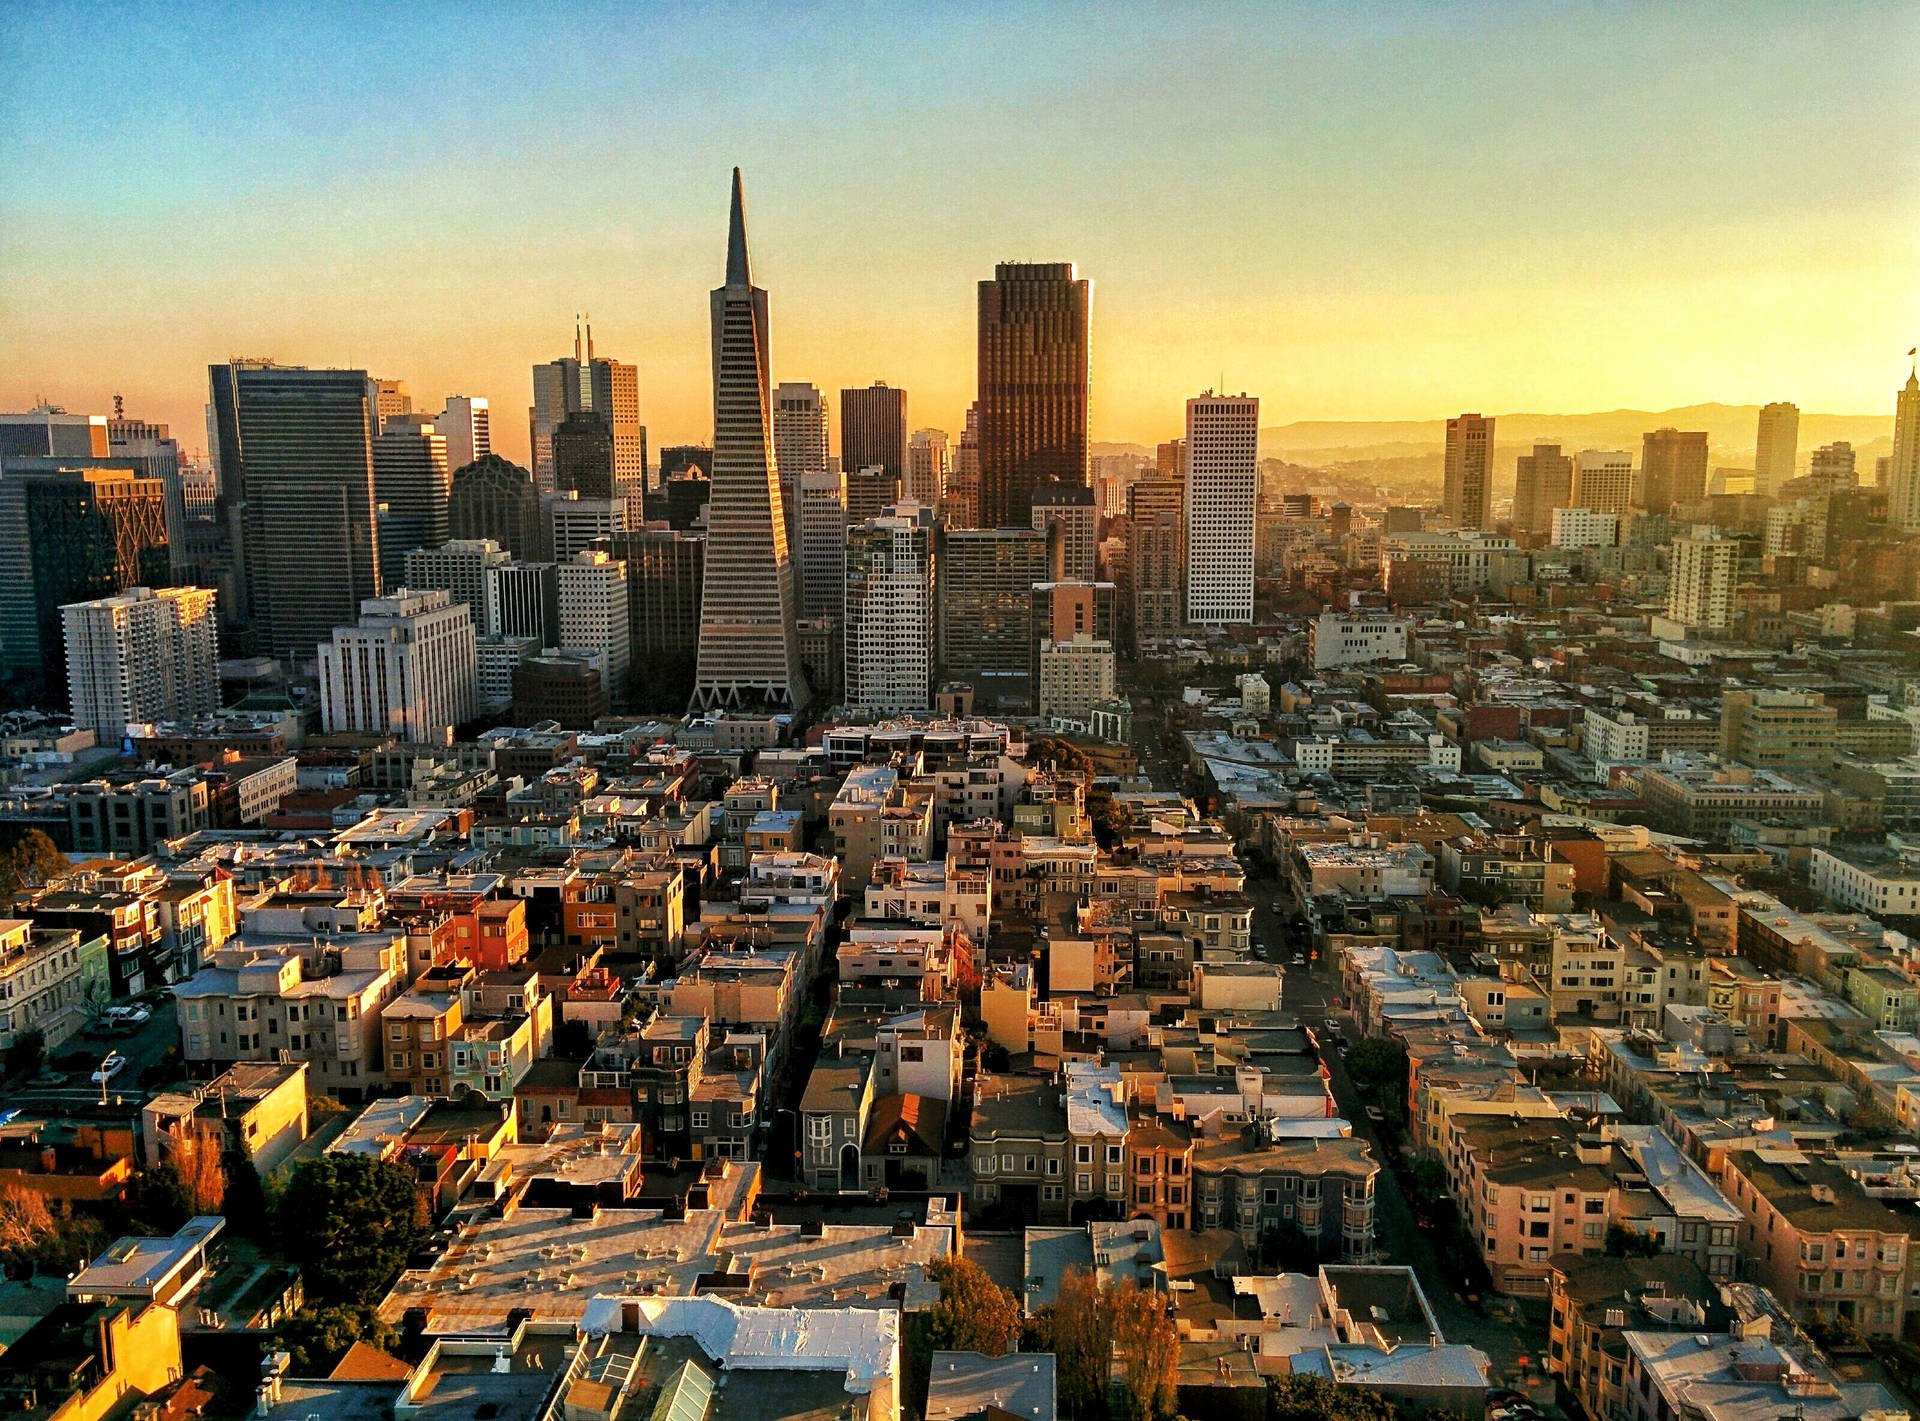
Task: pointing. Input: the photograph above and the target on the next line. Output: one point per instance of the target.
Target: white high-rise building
(823, 543)
(1584, 528)
(143, 655)
(407, 668)
(889, 630)
(594, 618)
(929, 465)
(1603, 480)
(1700, 575)
(799, 441)
(577, 523)
(1903, 473)
(1223, 475)
(467, 426)
(458, 568)
(1776, 447)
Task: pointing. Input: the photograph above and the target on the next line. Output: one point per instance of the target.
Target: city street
(142, 1049)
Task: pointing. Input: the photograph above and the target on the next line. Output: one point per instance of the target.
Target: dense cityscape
(853, 920)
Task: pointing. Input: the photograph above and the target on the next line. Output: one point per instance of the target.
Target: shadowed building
(1542, 482)
(1673, 468)
(749, 653)
(1467, 493)
(296, 451)
(495, 499)
(873, 431)
(413, 484)
(1034, 329)
(607, 391)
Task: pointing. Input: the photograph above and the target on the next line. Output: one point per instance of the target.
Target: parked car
(127, 1016)
(114, 1064)
(1299, 959)
(49, 1080)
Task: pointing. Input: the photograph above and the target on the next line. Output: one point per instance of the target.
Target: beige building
(142, 656)
(1773, 730)
(1700, 575)
(1075, 676)
(408, 669)
(1467, 494)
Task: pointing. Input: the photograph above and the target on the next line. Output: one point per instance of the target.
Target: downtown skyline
(1555, 249)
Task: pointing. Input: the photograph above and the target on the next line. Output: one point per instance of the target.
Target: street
(79, 1056)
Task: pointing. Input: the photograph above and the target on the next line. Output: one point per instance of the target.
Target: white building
(1585, 528)
(576, 523)
(1256, 696)
(594, 615)
(407, 669)
(1473, 561)
(1868, 880)
(1223, 449)
(799, 443)
(1700, 576)
(929, 464)
(143, 655)
(1075, 676)
(498, 658)
(889, 611)
(1603, 480)
(467, 426)
(823, 543)
(458, 569)
(1357, 638)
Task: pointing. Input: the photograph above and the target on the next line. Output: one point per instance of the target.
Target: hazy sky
(1352, 213)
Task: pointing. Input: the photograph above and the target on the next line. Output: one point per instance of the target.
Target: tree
(1148, 1346)
(1108, 818)
(1304, 1397)
(158, 1200)
(31, 861)
(1377, 1063)
(23, 1057)
(1080, 1347)
(1624, 1242)
(1061, 754)
(317, 1338)
(974, 1314)
(25, 1223)
(349, 1222)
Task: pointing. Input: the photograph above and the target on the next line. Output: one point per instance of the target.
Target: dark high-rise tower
(1467, 495)
(1034, 328)
(749, 651)
(296, 451)
(1673, 468)
(873, 433)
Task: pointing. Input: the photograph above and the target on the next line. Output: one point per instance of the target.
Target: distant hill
(1730, 433)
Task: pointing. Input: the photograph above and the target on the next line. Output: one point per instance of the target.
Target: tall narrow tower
(1903, 486)
(749, 650)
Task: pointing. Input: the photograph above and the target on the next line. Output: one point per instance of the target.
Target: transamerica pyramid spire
(749, 647)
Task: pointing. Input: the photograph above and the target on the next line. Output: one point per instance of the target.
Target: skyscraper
(413, 484)
(467, 426)
(665, 571)
(1700, 575)
(823, 543)
(587, 383)
(889, 629)
(1035, 323)
(583, 456)
(1467, 495)
(962, 507)
(986, 583)
(799, 443)
(1065, 513)
(151, 451)
(141, 656)
(1776, 447)
(749, 653)
(459, 569)
(1832, 465)
(1673, 468)
(1223, 445)
(595, 614)
(388, 399)
(873, 430)
(1603, 480)
(296, 450)
(495, 499)
(928, 467)
(1156, 557)
(1903, 473)
(1543, 481)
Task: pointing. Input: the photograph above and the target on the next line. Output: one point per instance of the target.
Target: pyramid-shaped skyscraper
(749, 648)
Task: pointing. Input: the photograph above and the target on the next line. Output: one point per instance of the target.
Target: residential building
(1700, 578)
(1156, 557)
(1543, 484)
(1467, 494)
(1867, 878)
(1076, 674)
(889, 629)
(142, 656)
(1584, 528)
(1603, 481)
(53, 981)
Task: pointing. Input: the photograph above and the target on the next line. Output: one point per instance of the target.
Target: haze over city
(1381, 213)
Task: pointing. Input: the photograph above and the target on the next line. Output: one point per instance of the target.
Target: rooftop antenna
(119, 408)
(576, 335)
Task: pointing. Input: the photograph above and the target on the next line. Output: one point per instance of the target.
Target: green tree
(23, 1057)
(350, 1221)
(159, 1200)
(1108, 819)
(30, 862)
(974, 1314)
(1377, 1063)
(317, 1338)
(1624, 1242)
(1311, 1398)
(1061, 754)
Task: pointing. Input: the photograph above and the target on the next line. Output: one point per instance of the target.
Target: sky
(1352, 212)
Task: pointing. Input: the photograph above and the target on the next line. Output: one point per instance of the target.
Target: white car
(128, 1016)
(109, 1068)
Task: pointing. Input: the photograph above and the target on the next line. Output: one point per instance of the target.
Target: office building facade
(413, 484)
(1603, 480)
(1673, 468)
(1467, 493)
(1903, 472)
(986, 582)
(595, 616)
(1700, 577)
(1776, 447)
(494, 498)
(1156, 557)
(1034, 328)
(889, 629)
(606, 389)
(1223, 445)
(822, 519)
(873, 431)
(1543, 481)
(406, 668)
